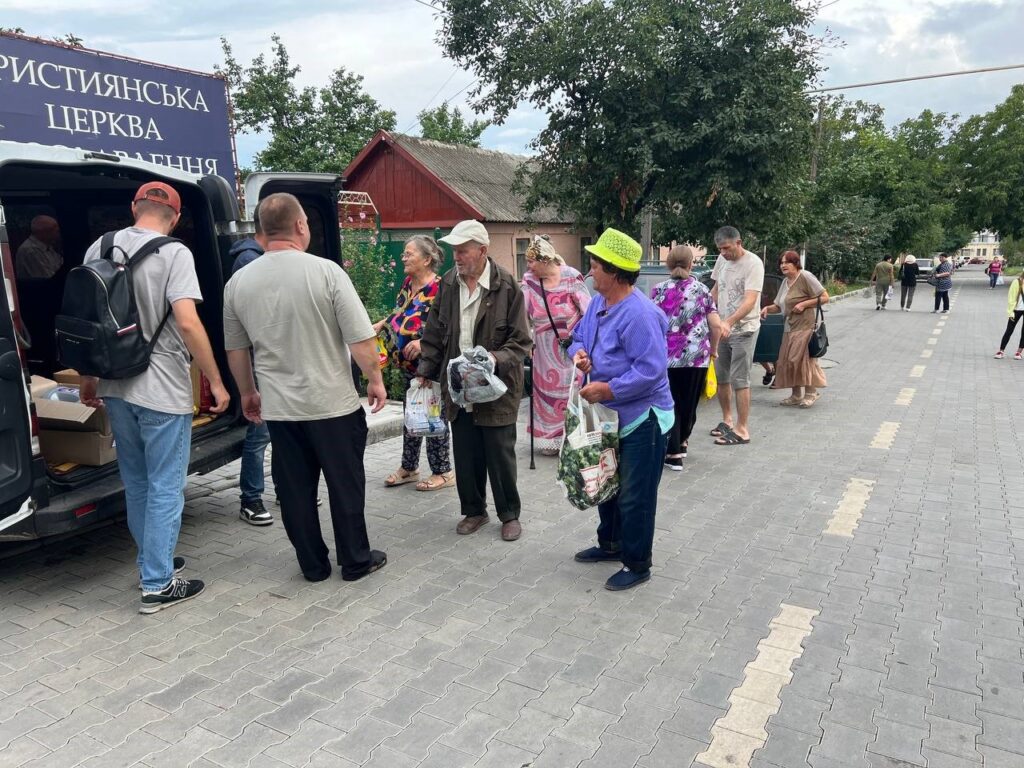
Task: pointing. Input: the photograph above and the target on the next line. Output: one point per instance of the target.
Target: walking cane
(529, 363)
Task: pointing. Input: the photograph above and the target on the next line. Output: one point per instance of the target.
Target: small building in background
(419, 186)
(984, 245)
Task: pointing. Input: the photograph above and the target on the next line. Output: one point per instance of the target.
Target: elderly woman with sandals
(422, 259)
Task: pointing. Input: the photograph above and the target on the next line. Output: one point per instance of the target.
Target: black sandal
(769, 377)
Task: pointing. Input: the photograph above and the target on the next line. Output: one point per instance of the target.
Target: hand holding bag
(711, 382)
(817, 345)
(423, 411)
(588, 468)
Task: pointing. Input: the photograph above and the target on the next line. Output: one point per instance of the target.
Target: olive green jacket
(501, 329)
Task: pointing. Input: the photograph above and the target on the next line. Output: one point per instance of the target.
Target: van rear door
(318, 193)
(15, 426)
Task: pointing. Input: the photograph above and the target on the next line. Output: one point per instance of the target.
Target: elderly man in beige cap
(480, 304)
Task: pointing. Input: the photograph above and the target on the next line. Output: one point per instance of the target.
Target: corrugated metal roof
(483, 177)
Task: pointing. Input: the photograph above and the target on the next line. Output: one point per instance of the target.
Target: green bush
(371, 270)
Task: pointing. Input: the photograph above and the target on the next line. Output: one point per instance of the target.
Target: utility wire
(917, 77)
(427, 105)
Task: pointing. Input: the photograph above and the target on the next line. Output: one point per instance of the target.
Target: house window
(522, 243)
(983, 252)
(585, 254)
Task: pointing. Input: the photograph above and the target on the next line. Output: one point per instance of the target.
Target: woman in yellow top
(1014, 312)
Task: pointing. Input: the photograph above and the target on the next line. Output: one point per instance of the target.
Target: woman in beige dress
(798, 299)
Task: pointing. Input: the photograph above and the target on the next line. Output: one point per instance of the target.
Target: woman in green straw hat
(621, 344)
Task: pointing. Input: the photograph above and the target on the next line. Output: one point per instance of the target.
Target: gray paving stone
(899, 741)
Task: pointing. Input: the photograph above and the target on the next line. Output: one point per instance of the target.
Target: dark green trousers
(482, 452)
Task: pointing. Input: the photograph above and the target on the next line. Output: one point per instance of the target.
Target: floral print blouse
(409, 318)
(687, 303)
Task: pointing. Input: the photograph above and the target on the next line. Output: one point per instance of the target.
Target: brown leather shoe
(511, 530)
(471, 523)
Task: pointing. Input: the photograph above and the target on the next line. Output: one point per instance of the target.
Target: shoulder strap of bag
(544, 297)
(819, 315)
(150, 247)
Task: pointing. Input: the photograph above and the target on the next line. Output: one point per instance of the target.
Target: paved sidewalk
(844, 591)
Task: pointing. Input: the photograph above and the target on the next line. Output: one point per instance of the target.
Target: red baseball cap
(158, 192)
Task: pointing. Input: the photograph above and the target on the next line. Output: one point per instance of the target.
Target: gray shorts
(735, 357)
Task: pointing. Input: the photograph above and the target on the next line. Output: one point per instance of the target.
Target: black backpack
(98, 330)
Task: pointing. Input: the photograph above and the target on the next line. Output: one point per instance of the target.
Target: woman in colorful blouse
(403, 327)
(693, 332)
(553, 293)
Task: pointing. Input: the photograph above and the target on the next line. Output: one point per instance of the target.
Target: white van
(89, 194)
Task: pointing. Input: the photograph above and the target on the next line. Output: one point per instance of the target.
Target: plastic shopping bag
(711, 382)
(423, 410)
(1000, 280)
(889, 294)
(471, 378)
(588, 466)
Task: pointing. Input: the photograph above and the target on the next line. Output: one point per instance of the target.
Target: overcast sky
(392, 44)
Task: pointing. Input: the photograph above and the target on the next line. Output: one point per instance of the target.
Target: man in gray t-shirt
(739, 280)
(151, 414)
(302, 317)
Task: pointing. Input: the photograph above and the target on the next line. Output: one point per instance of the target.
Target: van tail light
(82, 511)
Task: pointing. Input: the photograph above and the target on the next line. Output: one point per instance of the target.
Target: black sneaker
(178, 591)
(675, 463)
(254, 513)
(597, 555)
(179, 566)
(378, 560)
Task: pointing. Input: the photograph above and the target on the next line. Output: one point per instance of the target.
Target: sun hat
(466, 231)
(911, 259)
(618, 249)
(158, 192)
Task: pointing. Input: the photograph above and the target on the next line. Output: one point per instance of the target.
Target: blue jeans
(152, 457)
(627, 521)
(250, 477)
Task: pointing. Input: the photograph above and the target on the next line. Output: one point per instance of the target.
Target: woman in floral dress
(554, 293)
(694, 329)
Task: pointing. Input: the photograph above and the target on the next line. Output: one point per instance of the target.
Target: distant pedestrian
(1014, 313)
(151, 414)
(251, 475)
(694, 329)
(302, 318)
(621, 344)
(994, 270)
(909, 273)
(943, 283)
(480, 304)
(798, 299)
(739, 280)
(421, 258)
(556, 299)
(882, 276)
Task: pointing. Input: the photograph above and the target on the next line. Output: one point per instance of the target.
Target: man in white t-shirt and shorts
(739, 280)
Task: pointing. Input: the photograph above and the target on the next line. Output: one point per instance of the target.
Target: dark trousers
(942, 297)
(302, 449)
(687, 385)
(627, 521)
(482, 452)
(907, 295)
(1010, 325)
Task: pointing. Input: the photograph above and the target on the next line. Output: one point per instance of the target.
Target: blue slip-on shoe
(627, 579)
(596, 555)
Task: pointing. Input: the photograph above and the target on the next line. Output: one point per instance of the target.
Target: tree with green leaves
(449, 126)
(695, 110)
(70, 39)
(309, 129)
(991, 149)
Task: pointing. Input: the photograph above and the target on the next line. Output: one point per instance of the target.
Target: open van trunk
(87, 199)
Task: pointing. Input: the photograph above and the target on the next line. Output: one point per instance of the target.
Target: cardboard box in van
(69, 377)
(72, 433)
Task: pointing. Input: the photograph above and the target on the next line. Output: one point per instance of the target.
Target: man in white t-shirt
(739, 280)
(302, 317)
(151, 414)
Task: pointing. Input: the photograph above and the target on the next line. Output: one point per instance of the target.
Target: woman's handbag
(711, 382)
(588, 467)
(817, 345)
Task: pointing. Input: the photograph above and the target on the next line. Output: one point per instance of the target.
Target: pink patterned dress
(552, 368)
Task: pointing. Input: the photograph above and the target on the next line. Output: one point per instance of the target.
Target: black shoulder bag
(817, 345)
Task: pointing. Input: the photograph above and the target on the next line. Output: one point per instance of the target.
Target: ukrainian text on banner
(53, 95)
